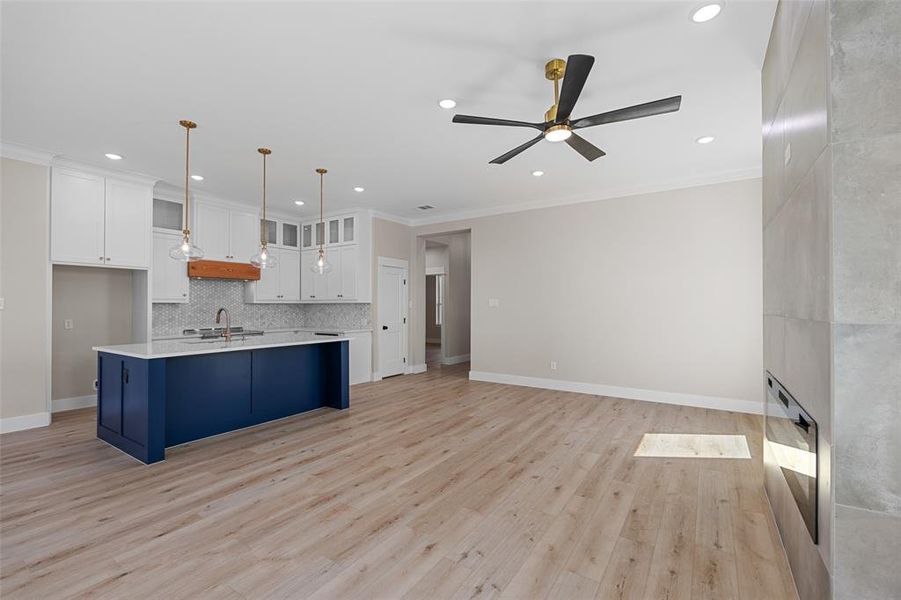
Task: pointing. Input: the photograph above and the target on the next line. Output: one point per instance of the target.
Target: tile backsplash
(207, 295)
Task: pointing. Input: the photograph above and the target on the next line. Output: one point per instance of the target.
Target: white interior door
(392, 320)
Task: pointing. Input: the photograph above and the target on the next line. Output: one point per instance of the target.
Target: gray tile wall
(832, 280)
(208, 295)
(797, 243)
(865, 50)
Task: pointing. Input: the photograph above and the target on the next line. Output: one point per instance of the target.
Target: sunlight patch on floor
(693, 445)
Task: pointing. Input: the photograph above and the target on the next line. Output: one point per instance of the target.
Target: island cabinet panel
(206, 395)
(286, 381)
(131, 405)
(148, 404)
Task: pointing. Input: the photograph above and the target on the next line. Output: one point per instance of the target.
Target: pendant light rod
(188, 125)
(265, 152)
(322, 173)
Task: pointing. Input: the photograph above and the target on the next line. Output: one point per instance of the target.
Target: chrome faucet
(227, 333)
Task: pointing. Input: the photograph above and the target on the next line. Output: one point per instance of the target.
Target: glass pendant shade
(185, 251)
(321, 265)
(264, 259)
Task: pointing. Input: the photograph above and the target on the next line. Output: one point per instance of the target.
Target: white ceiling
(354, 87)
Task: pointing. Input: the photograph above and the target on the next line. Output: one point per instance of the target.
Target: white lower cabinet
(170, 277)
(360, 357)
(280, 283)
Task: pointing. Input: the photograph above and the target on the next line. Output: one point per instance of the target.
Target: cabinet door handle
(107, 258)
(185, 295)
(384, 327)
(101, 258)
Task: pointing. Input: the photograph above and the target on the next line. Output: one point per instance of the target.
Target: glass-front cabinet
(289, 235)
(306, 236)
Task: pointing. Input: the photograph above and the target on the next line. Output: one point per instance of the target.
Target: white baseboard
(64, 404)
(9, 424)
(599, 389)
(455, 360)
(417, 368)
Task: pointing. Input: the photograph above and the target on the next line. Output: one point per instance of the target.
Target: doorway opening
(446, 312)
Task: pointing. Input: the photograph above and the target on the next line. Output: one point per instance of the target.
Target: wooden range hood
(220, 269)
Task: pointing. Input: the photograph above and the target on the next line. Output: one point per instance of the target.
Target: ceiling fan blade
(578, 66)
(508, 155)
(584, 147)
(491, 121)
(648, 109)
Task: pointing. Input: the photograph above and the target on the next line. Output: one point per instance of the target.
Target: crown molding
(62, 162)
(25, 153)
(378, 214)
(688, 182)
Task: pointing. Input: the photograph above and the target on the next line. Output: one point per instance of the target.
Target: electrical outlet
(96, 385)
(553, 365)
(494, 302)
(68, 324)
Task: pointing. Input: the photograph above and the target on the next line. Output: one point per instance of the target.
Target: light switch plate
(494, 302)
(68, 324)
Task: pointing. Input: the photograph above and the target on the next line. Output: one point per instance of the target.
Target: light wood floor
(430, 486)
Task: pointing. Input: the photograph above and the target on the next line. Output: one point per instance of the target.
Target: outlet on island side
(96, 385)
(553, 365)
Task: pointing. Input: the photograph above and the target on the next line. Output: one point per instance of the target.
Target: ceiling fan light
(558, 133)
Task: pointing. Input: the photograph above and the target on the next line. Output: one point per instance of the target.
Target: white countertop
(192, 346)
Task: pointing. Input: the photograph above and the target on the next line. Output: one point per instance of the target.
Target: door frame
(386, 261)
(440, 272)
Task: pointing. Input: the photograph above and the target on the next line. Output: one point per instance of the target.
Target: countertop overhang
(194, 346)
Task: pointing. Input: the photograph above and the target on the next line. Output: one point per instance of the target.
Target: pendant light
(264, 259)
(186, 251)
(321, 265)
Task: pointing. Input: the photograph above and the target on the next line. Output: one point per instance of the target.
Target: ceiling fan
(557, 125)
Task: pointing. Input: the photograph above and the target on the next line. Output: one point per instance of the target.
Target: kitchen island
(163, 393)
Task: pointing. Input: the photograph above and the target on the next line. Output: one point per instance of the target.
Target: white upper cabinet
(96, 220)
(128, 223)
(280, 283)
(170, 277)
(289, 275)
(244, 235)
(210, 231)
(348, 250)
(226, 234)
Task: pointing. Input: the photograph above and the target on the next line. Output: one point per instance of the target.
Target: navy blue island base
(145, 405)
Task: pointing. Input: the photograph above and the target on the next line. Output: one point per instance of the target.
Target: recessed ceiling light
(359, 189)
(298, 202)
(197, 177)
(537, 173)
(705, 139)
(706, 12)
(112, 156)
(447, 103)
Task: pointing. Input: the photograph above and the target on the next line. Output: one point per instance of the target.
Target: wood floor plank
(430, 486)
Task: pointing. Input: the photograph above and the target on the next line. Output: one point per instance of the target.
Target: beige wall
(658, 292)
(99, 303)
(24, 281)
(391, 240)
